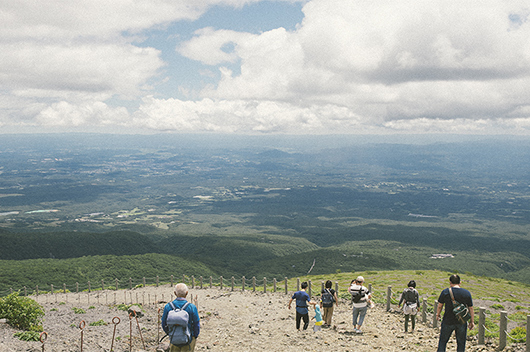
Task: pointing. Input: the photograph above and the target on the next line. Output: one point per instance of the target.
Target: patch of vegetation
(21, 312)
(518, 334)
(100, 322)
(78, 310)
(27, 335)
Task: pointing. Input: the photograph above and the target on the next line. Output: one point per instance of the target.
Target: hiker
(181, 291)
(361, 297)
(450, 321)
(302, 301)
(411, 299)
(318, 319)
(328, 297)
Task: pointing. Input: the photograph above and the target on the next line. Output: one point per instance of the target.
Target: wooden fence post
(388, 297)
(37, 289)
(481, 327)
(309, 288)
(286, 288)
(233, 279)
(210, 282)
(434, 320)
(243, 284)
(157, 280)
(274, 284)
(172, 279)
(527, 333)
(264, 285)
(200, 279)
(51, 287)
(64, 288)
(102, 285)
(298, 284)
(424, 310)
(192, 281)
(116, 282)
(337, 287)
(503, 326)
(143, 281)
(253, 284)
(77, 287)
(221, 284)
(130, 283)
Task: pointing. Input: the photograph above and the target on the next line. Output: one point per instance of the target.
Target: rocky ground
(230, 321)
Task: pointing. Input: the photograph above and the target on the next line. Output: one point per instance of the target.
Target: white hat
(359, 279)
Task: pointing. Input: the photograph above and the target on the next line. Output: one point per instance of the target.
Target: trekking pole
(82, 325)
(139, 330)
(115, 321)
(42, 337)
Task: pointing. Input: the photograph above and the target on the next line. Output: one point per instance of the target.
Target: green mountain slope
(44, 272)
(61, 245)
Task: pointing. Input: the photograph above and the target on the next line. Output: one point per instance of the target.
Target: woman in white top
(361, 296)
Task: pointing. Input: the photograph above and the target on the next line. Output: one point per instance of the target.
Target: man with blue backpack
(180, 321)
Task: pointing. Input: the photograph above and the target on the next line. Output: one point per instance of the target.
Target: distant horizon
(402, 138)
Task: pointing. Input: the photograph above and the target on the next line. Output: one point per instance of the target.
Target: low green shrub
(100, 322)
(78, 310)
(27, 335)
(21, 312)
(518, 334)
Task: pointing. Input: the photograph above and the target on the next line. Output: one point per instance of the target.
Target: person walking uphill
(450, 321)
(302, 301)
(360, 295)
(411, 297)
(189, 332)
(328, 297)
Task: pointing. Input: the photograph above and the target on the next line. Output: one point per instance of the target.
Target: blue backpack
(177, 322)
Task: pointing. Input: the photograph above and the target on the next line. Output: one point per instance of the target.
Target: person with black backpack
(328, 297)
(411, 299)
(361, 296)
(180, 321)
(459, 314)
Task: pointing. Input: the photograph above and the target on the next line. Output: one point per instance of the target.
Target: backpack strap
(183, 307)
(452, 297)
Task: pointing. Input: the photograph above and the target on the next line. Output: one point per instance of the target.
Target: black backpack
(327, 298)
(357, 295)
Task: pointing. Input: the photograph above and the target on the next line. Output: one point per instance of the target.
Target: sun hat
(359, 279)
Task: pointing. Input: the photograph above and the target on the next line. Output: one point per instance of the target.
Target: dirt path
(230, 321)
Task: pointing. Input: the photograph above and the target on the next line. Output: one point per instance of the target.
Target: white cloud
(95, 69)
(241, 116)
(384, 60)
(350, 66)
(88, 113)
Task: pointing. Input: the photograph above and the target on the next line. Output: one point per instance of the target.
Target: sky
(265, 67)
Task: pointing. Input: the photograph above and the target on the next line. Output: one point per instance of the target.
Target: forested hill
(62, 245)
